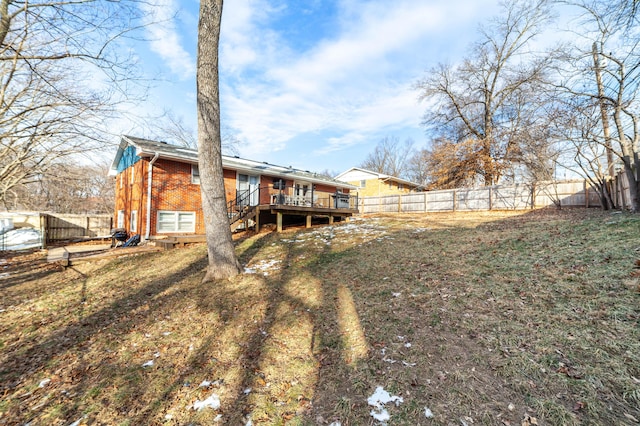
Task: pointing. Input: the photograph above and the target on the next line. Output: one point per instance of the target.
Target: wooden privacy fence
(62, 227)
(576, 193)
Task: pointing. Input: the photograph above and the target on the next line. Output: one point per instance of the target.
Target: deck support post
(330, 219)
(256, 219)
(308, 221)
(279, 222)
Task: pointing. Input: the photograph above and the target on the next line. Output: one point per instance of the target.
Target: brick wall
(375, 187)
(172, 190)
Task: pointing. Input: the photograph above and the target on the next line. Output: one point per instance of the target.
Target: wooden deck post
(279, 222)
(330, 219)
(308, 221)
(257, 219)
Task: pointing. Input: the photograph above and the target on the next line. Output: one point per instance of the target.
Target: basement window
(172, 221)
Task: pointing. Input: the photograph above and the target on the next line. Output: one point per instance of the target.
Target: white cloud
(165, 39)
(357, 82)
(340, 88)
(245, 36)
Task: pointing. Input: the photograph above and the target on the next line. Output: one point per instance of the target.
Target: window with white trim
(133, 174)
(120, 221)
(133, 225)
(172, 221)
(195, 174)
(363, 183)
(400, 186)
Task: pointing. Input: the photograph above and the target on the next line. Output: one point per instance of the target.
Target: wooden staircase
(241, 217)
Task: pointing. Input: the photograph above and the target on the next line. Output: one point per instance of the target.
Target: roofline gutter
(149, 181)
(284, 173)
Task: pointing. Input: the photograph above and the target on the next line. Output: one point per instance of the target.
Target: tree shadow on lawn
(307, 343)
(70, 343)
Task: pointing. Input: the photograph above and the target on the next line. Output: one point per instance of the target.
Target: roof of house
(165, 150)
(380, 176)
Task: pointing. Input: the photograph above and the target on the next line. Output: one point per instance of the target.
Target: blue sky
(312, 84)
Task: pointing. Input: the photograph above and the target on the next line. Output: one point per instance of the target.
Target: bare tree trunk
(603, 111)
(223, 262)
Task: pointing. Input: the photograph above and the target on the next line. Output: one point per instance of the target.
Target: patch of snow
(428, 413)
(22, 239)
(166, 333)
(204, 384)
(156, 355)
(263, 266)
(148, 364)
(381, 397)
(44, 383)
(247, 391)
(336, 423)
(396, 294)
(380, 414)
(217, 418)
(407, 345)
(212, 402)
(378, 400)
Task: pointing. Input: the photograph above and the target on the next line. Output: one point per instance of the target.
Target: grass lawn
(498, 318)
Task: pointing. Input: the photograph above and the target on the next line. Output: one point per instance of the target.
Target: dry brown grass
(486, 318)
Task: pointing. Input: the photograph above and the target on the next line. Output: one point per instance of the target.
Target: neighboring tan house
(158, 191)
(371, 184)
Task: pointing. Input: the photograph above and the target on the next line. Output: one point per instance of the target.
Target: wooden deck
(281, 210)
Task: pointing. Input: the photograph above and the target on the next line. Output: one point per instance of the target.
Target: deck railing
(310, 197)
(280, 195)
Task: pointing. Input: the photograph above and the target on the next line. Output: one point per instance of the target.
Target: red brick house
(158, 191)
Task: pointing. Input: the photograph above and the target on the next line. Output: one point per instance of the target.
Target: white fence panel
(517, 197)
(413, 202)
(440, 201)
(499, 197)
(473, 199)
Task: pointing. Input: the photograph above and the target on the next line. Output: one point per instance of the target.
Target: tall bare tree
(446, 165)
(390, 157)
(69, 187)
(484, 98)
(223, 262)
(171, 127)
(601, 72)
(47, 50)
